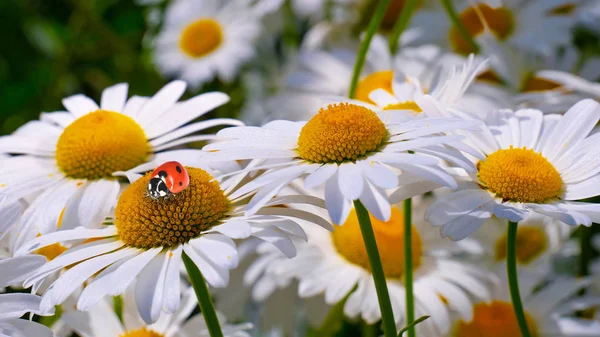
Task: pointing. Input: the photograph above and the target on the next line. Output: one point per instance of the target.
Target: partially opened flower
(549, 311)
(149, 237)
(102, 321)
(333, 264)
(528, 162)
(350, 150)
(13, 306)
(70, 157)
(204, 39)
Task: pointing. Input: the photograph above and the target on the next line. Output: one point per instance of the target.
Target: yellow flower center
(378, 80)
(495, 319)
(52, 251)
(201, 38)
(531, 243)
(341, 132)
(143, 332)
(100, 143)
(389, 235)
(146, 223)
(499, 20)
(533, 83)
(408, 105)
(520, 175)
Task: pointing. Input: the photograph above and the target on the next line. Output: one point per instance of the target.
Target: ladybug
(167, 179)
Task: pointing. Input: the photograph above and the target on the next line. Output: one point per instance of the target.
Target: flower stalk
(383, 296)
(408, 268)
(449, 7)
(204, 299)
(364, 46)
(401, 24)
(513, 281)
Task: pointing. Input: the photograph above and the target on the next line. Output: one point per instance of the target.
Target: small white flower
(204, 39)
(527, 162)
(355, 152)
(70, 158)
(149, 237)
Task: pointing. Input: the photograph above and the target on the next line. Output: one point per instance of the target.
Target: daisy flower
(347, 148)
(536, 25)
(334, 263)
(204, 39)
(548, 311)
(15, 305)
(102, 321)
(528, 162)
(149, 237)
(70, 157)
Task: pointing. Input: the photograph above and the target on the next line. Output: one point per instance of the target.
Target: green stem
(204, 299)
(513, 281)
(408, 268)
(383, 296)
(364, 46)
(401, 24)
(459, 25)
(586, 250)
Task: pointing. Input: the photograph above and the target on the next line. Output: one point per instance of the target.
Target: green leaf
(417, 321)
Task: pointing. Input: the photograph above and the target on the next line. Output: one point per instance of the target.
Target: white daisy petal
(454, 205)
(337, 206)
(350, 180)
(114, 98)
(78, 234)
(191, 128)
(149, 289)
(216, 276)
(235, 229)
(80, 105)
(96, 201)
(510, 212)
(17, 268)
(376, 202)
(172, 291)
(219, 248)
(160, 102)
(15, 305)
(320, 176)
(277, 239)
(10, 214)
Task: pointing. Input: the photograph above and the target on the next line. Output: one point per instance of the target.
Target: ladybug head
(157, 188)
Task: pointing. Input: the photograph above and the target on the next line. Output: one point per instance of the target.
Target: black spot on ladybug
(178, 169)
(180, 183)
(162, 174)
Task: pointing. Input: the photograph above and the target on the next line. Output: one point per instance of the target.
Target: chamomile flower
(536, 25)
(528, 163)
(350, 150)
(102, 321)
(334, 263)
(204, 39)
(70, 157)
(15, 305)
(443, 96)
(548, 311)
(149, 237)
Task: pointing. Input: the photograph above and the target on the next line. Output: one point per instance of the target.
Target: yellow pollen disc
(341, 132)
(520, 175)
(146, 223)
(531, 243)
(495, 319)
(100, 143)
(378, 80)
(143, 332)
(534, 83)
(52, 251)
(499, 20)
(408, 105)
(201, 38)
(348, 241)
(490, 76)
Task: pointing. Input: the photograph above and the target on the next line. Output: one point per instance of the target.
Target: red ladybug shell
(174, 175)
